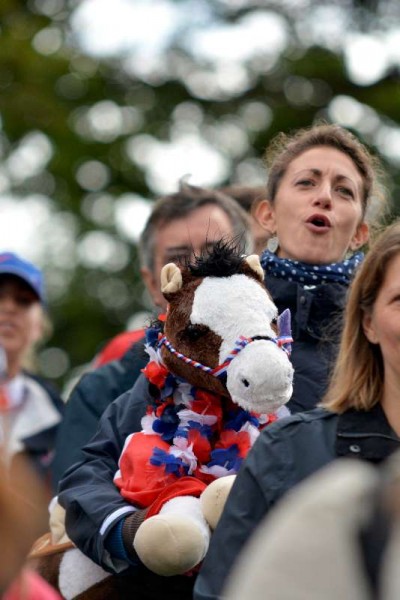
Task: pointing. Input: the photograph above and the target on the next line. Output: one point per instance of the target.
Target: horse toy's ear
(171, 279)
(254, 263)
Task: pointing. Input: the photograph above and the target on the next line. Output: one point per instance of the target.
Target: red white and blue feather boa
(209, 435)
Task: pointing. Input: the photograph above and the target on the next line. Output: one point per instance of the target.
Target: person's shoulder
(126, 410)
(311, 419)
(98, 388)
(138, 394)
(48, 388)
(99, 377)
(127, 367)
(307, 416)
(110, 374)
(117, 347)
(292, 447)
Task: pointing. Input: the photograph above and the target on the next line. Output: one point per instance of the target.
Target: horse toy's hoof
(213, 499)
(170, 544)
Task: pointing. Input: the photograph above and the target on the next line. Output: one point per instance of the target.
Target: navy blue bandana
(306, 274)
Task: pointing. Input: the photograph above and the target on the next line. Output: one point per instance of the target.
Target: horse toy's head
(222, 330)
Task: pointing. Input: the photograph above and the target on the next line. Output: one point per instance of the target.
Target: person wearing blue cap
(30, 410)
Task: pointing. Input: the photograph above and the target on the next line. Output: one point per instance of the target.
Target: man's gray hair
(179, 205)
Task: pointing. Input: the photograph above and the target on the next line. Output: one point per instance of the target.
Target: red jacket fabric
(117, 347)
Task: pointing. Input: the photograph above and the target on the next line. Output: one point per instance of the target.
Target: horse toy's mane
(222, 336)
(222, 259)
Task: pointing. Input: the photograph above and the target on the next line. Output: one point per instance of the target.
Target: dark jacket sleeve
(92, 501)
(285, 453)
(91, 396)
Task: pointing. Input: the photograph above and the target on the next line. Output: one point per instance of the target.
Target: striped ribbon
(163, 341)
(283, 341)
(219, 371)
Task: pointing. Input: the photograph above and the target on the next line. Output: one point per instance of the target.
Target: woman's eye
(21, 300)
(24, 301)
(305, 182)
(346, 192)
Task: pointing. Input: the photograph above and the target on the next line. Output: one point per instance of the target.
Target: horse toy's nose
(260, 378)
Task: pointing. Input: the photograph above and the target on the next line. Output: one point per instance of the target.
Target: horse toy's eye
(195, 332)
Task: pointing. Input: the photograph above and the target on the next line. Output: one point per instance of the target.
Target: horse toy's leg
(176, 540)
(213, 499)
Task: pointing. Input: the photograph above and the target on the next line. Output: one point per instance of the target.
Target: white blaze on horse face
(260, 377)
(231, 307)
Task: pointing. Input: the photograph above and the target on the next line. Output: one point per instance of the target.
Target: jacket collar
(365, 434)
(312, 309)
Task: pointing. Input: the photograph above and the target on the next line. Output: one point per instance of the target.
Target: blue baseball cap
(11, 264)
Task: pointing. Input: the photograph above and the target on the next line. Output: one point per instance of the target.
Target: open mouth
(319, 221)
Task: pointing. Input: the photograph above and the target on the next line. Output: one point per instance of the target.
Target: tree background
(91, 134)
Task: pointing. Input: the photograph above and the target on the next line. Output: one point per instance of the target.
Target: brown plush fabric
(204, 350)
(48, 567)
(45, 558)
(129, 529)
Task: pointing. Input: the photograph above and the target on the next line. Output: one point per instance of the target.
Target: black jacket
(91, 396)
(94, 504)
(286, 453)
(316, 323)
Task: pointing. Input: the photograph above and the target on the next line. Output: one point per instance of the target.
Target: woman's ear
(369, 328)
(264, 213)
(361, 236)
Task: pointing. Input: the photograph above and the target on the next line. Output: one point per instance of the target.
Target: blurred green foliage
(51, 90)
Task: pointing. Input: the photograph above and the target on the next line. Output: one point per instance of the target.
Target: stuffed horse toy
(219, 372)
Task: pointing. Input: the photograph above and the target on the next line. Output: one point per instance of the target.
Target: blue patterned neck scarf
(305, 274)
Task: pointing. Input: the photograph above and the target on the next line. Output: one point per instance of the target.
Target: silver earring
(273, 244)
